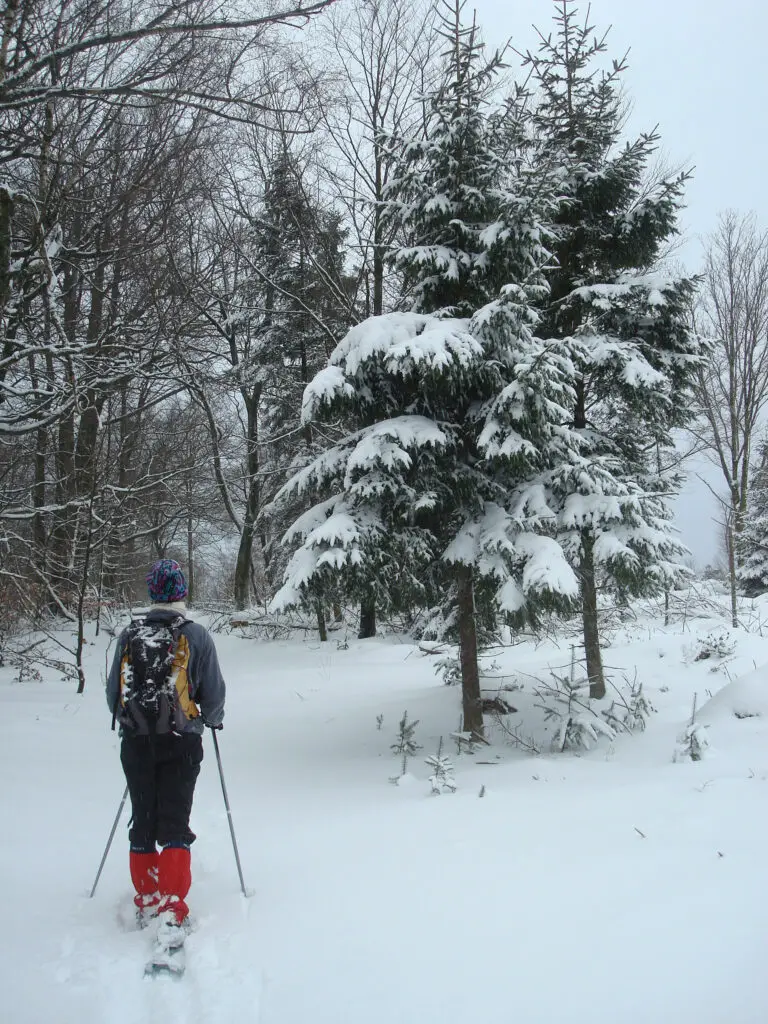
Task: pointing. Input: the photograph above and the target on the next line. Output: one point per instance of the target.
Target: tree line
(331, 305)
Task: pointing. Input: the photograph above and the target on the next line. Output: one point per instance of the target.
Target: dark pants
(161, 772)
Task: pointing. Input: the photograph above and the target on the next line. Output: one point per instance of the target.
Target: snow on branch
(178, 19)
(635, 370)
(399, 342)
(525, 563)
(386, 445)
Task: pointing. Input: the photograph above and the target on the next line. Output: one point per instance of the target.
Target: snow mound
(746, 697)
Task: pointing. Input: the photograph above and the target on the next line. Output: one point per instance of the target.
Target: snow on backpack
(154, 680)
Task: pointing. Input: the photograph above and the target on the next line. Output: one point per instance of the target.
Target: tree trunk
(88, 543)
(38, 497)
(6, 209)
(61, 550)
(589, 618)
(367, 618)
(470, 675)
(245, 551)
(321, 628)
(732, 576)
(368, 603)
(80, 646)
(243, 567)
(190, 561)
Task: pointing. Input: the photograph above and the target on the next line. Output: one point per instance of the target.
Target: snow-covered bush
(714, 645)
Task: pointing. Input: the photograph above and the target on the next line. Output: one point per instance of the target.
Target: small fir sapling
(629, 712)
(379, 722)
(566, 702)
(405, 746)
(693, 740)
(441, 780)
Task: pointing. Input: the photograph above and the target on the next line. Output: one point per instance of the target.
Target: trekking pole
(109, 841)
(229, 812)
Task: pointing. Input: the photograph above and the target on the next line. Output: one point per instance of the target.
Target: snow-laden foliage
(372, 522)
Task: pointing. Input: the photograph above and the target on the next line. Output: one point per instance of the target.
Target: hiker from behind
(165, 684)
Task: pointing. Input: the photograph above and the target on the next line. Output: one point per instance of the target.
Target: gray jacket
(206, 683)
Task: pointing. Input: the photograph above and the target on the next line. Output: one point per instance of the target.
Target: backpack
(154, 684)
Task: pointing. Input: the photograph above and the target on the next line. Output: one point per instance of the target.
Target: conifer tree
(454, 410)
(300, 284)
(623, 322)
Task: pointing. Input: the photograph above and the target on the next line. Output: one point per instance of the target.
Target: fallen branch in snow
(432, 649)
(272, 624)
(516, 736)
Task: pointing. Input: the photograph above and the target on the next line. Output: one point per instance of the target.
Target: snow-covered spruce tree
(623, 321)
(454, 410)
(753, 542)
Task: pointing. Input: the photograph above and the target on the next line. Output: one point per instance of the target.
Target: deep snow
(615, 887)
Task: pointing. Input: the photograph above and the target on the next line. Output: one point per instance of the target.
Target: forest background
(199, 202)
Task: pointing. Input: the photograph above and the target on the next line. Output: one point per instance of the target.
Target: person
(164, 685)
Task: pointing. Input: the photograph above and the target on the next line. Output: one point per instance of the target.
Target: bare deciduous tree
(107, 111)
(732, 385)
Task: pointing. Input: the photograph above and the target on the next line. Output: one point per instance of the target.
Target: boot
(144, 868)
(175, 879)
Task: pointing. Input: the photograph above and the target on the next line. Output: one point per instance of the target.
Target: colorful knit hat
(165, 581)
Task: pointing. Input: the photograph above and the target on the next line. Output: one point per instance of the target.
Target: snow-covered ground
(615, 887)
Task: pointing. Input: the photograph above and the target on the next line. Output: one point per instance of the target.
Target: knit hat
(165, 582)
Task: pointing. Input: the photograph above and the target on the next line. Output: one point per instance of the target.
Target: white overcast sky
(699, 70)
